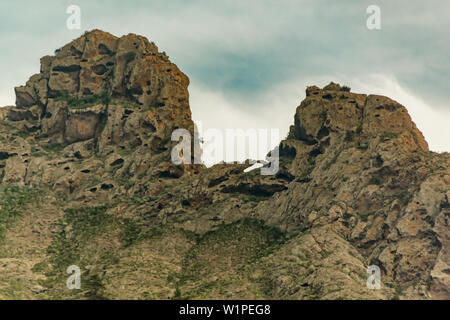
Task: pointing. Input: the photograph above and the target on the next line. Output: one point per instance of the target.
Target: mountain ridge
(86, 179)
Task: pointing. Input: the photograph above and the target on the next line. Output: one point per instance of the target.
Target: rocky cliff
(86, 179)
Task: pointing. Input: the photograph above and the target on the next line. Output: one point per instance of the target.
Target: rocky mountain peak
(106, 96)
(99, 63)
(334, 114)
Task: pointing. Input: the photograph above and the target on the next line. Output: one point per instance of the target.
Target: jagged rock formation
(365, 173)
(99, 95)
(86, 179)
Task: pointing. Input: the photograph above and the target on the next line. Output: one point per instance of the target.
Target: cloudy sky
(250, 61)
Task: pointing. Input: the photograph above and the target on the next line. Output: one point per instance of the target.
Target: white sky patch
(6, 99)
(212, 110)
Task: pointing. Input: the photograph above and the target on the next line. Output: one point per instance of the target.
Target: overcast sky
(250, 61)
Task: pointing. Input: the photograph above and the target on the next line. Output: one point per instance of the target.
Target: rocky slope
(86, 179)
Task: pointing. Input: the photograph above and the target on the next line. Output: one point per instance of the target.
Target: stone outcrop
(128, 67)
(86, 179)
(364, 171)
(105, 95)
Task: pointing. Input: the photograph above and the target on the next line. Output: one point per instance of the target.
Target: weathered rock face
(327, 113)
(361, 169)
(111, 94)
(86, 179)
(128, 67)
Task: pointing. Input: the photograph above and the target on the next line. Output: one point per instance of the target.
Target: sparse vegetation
(53, 147)
(13, 204)
(74, 248)
(22, 134)
(124, 103)
(139, 227)
(138, 199)
(359, 127)
(84, 102)
(363, 146)
(133, 232)
(244, 242)
(253, 198)
(398, 292)
(365, 216)
(105, 99)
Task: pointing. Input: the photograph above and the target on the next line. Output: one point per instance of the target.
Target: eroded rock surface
(86, 179)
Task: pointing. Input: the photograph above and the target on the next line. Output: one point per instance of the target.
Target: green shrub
(53, 147)
(84, 102)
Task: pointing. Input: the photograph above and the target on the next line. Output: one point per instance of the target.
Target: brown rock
(357, 186)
